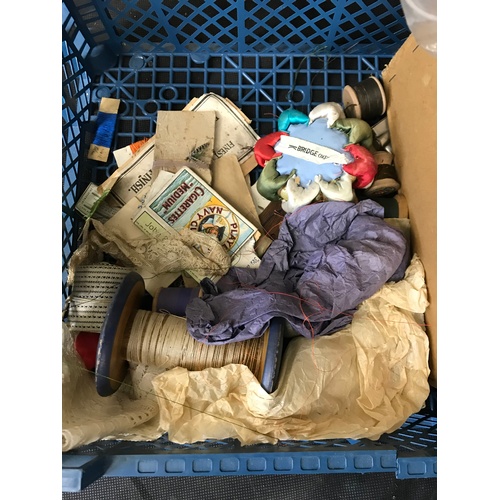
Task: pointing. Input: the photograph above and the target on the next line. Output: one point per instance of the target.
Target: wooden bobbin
(365, 100)
(386, 183)
(394, 207)
(112, 360)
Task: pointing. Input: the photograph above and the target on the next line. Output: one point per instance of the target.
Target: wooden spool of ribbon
(386, 183)
(131, 334)
(365, 100)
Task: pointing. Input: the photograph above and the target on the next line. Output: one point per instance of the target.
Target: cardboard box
(410, 83)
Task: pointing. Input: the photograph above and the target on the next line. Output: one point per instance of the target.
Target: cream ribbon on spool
(92, 291)
(162, 340)
(132, 335)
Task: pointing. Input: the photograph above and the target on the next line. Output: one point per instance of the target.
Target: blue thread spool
(105, 129)
(106, 124)
(174, 300)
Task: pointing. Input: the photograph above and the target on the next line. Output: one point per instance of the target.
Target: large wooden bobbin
(133, 335)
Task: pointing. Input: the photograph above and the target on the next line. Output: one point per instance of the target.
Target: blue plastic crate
(265, 56)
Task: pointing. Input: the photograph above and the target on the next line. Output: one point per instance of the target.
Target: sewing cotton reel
(365, 100)
(130, 334)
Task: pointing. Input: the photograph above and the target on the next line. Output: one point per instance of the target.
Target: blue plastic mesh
(241, 26)
(265, 56)
(75, 110)
(262, 85)
(418, 433)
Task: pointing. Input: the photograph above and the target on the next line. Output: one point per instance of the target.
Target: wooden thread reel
(365, 100)
(130, 334)
(386, 183)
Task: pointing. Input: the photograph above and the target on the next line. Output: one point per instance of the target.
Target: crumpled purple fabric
(327, 259)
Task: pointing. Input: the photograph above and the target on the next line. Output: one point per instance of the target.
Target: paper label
(122, 155)
(87, 200)
(186, 201)
(306, 150)
(232, 133)
(85, 205)
(136, 175)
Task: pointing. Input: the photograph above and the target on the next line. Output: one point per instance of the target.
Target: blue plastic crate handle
(80, 471)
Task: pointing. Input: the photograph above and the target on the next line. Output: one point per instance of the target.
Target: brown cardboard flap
(410, 82)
